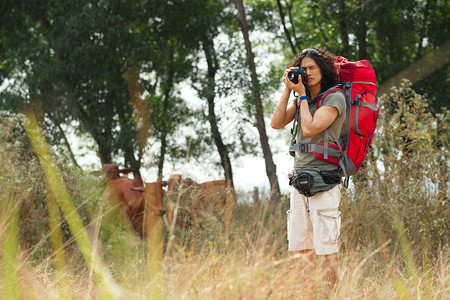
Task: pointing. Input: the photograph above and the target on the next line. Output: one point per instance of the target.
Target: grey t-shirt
(308, 160)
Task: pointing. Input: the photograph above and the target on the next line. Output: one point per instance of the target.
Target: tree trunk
(260, 124)
(167, 90)
(423, 29)
(67, 144)
(129, 156)
(361, 36)
(343, 27)
(291, 21)
(213, 65)
(162, 155)
(102, 139)
(140, 109)
(38, 110)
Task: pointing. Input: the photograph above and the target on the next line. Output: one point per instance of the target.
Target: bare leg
(307, 266)
(330, 265)
(309, 258)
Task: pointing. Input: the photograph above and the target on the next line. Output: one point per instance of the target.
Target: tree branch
(421, 69)
(286, 31)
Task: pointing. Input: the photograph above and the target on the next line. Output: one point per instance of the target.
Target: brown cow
(196, 202)
(112, 171)
(139, 201)
(219, 190)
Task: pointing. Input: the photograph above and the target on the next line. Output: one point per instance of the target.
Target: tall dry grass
(394, 242)
(255, 265)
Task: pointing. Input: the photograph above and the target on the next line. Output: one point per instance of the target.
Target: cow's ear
(164, 183)
(139, 189)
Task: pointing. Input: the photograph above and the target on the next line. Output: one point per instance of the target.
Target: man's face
(313, 72)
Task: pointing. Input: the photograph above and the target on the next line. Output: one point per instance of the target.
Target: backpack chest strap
(325, 150)
(305, 148)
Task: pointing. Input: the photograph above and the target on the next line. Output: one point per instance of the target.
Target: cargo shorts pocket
(288, 225)
(329, 225)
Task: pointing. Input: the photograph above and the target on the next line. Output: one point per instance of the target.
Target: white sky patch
(83, 147)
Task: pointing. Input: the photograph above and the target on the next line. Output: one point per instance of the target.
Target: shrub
(22, 182)
(405, 178)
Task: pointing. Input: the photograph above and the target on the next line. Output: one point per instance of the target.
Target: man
(314, 220)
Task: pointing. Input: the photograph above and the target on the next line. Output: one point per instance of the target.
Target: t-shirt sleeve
(336, 99)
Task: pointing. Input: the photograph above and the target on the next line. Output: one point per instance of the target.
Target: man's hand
(299, 88)
(284, 111)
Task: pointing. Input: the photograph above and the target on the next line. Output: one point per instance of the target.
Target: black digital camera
(293, 75)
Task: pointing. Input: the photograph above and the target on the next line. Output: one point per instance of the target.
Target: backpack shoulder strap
(321, 97)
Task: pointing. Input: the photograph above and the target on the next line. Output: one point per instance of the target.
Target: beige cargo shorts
(317, 229)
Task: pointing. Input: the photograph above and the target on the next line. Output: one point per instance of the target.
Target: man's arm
(283, 113)
(323, 118)
(311, 126)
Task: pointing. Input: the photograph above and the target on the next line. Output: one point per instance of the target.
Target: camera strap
(294, 128)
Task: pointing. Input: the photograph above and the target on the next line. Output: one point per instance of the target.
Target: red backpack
(358, 83)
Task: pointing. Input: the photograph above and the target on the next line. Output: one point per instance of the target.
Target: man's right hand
(299, 88)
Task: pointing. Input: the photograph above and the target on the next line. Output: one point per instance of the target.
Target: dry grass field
(254, 265)
(59, 240)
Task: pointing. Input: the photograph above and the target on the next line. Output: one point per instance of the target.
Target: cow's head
(153, 197)
(176, 183)
(173, 182)
(110, 172)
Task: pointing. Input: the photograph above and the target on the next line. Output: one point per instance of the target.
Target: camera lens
(293, 75)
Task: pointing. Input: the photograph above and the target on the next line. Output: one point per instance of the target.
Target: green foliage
(23, 184)
(262, 15)
(434, 87)
(68, 59)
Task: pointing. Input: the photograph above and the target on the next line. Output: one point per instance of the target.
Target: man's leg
(327, 222)
(308, 258)
(330, 266)
(306, 266)
(300, 236)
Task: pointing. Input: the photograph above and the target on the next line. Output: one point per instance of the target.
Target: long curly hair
(325, 61)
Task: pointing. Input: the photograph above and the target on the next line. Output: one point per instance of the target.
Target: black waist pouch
(310, 181)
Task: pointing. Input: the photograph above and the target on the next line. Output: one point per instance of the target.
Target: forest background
(164, 86)
(202, 78)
